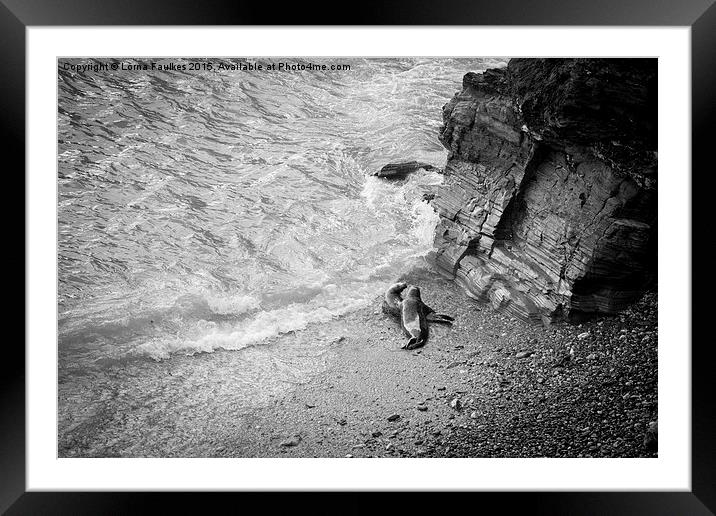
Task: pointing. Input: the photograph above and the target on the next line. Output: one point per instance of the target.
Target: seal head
(392, 301)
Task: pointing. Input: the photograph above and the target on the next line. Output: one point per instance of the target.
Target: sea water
(205, 210)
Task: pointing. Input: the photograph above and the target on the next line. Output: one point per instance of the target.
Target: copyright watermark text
(204, 65)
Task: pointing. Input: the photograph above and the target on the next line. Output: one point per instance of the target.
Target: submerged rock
(548, 208)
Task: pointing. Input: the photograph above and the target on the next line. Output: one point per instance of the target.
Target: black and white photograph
(316, 257)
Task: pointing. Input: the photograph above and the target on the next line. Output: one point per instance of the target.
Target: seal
(392, 305)
(413, 319)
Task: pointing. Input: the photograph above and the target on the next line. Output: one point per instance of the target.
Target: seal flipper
(410, 344)
(415, 342)
(431, 315)
(439, 318)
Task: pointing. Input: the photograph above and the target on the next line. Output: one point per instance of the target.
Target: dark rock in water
(548, 209)
(651, 438)
(400, 170)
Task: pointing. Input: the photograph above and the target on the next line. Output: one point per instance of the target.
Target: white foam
(207, 336)
(381, 194)
(378, 191)
(230, 304)
(425, 220)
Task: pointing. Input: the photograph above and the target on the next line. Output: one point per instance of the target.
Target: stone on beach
(294, 440)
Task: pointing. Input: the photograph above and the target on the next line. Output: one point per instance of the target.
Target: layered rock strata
(548, 208)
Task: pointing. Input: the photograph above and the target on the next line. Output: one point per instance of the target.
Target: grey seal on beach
(414, 319)
(392, 305)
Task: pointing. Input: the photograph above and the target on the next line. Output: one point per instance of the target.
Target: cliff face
(548, 208)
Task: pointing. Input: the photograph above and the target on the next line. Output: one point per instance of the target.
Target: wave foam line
(209, 336)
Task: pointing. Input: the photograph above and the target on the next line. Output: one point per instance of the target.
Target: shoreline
(512, 400)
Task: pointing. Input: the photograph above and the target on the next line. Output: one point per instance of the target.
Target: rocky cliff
(548, 208)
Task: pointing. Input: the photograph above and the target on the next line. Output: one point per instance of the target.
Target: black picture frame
(17, 15)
